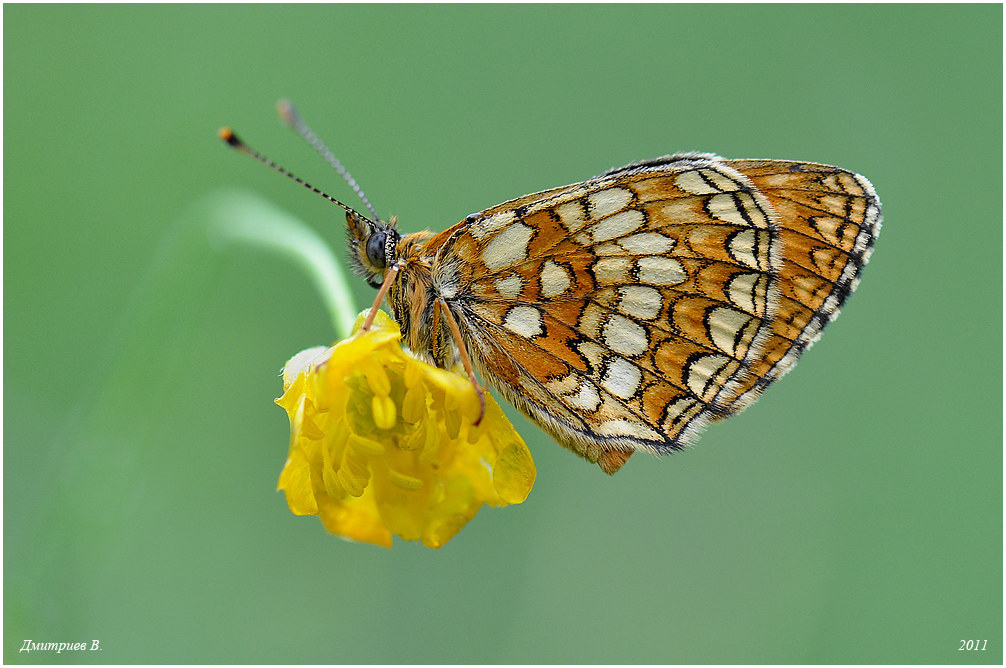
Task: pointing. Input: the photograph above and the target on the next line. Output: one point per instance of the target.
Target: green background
(854, 514)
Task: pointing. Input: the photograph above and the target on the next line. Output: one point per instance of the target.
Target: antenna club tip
(287, 112)
(228, 137)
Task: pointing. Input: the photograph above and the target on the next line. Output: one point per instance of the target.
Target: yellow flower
(382, 443)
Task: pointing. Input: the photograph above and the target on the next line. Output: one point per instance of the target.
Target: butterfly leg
(441, 305)
(389, 278)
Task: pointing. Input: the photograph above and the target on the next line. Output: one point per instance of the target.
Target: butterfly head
(372, 241)
(372, 246)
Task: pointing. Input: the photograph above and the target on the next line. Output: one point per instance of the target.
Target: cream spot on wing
(739, 208)
(622, 378)
(702, 370)
(607, 202)
(647, 243)
(680, 410)
(625, 336)
(524, 320)
(564, 385)
(705, 182)
(481, 228)
(661, 270)
(608, 248)
(612, 270)
(724, 207)
(808, 289)
(742, 290)
(630, 428)
(720, 181)
(554, 280)
(510, 286)
(742, 248)
(586, 399)
(849, 183)
(834, 203)
(753, 209)
(827, 259)
(593, 352)
(725, 324)
(775, 180)
(691, 181)
(507, 247)
(640, 301)
(590, 320)
(826, 227)
(572, 216)
(618, 225)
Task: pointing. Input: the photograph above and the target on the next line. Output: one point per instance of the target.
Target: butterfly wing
(624, 312)
(829, 219)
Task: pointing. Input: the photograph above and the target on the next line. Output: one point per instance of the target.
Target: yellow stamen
(365, 446)
(384, 412)
(406, 482)
(377, 377)
(351, 484)
(414, 403)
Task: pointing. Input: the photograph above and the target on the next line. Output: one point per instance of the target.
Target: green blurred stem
(126, 401)
(106, 459)
(243, 218)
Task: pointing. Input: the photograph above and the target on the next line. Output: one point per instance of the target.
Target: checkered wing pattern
(828, 219)
(624, 312)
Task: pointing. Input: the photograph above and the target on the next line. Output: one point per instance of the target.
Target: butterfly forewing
(829, 219)
(622, 312)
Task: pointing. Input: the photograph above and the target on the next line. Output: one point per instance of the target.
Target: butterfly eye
(375, 249)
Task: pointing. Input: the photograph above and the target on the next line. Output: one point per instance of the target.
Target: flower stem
(121, 408)
(235, 217)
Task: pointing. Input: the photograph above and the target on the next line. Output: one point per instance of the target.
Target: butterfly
(628, 311)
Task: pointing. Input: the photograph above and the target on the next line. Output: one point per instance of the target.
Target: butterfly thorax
(376, 247)
(412, 297)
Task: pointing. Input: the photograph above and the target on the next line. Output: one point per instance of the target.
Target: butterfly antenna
(232, 140)
(293, 119)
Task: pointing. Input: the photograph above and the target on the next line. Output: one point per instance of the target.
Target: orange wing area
(620, 313)
(829, 219)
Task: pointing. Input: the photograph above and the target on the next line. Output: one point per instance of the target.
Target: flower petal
(383, 443)
(295, 481)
